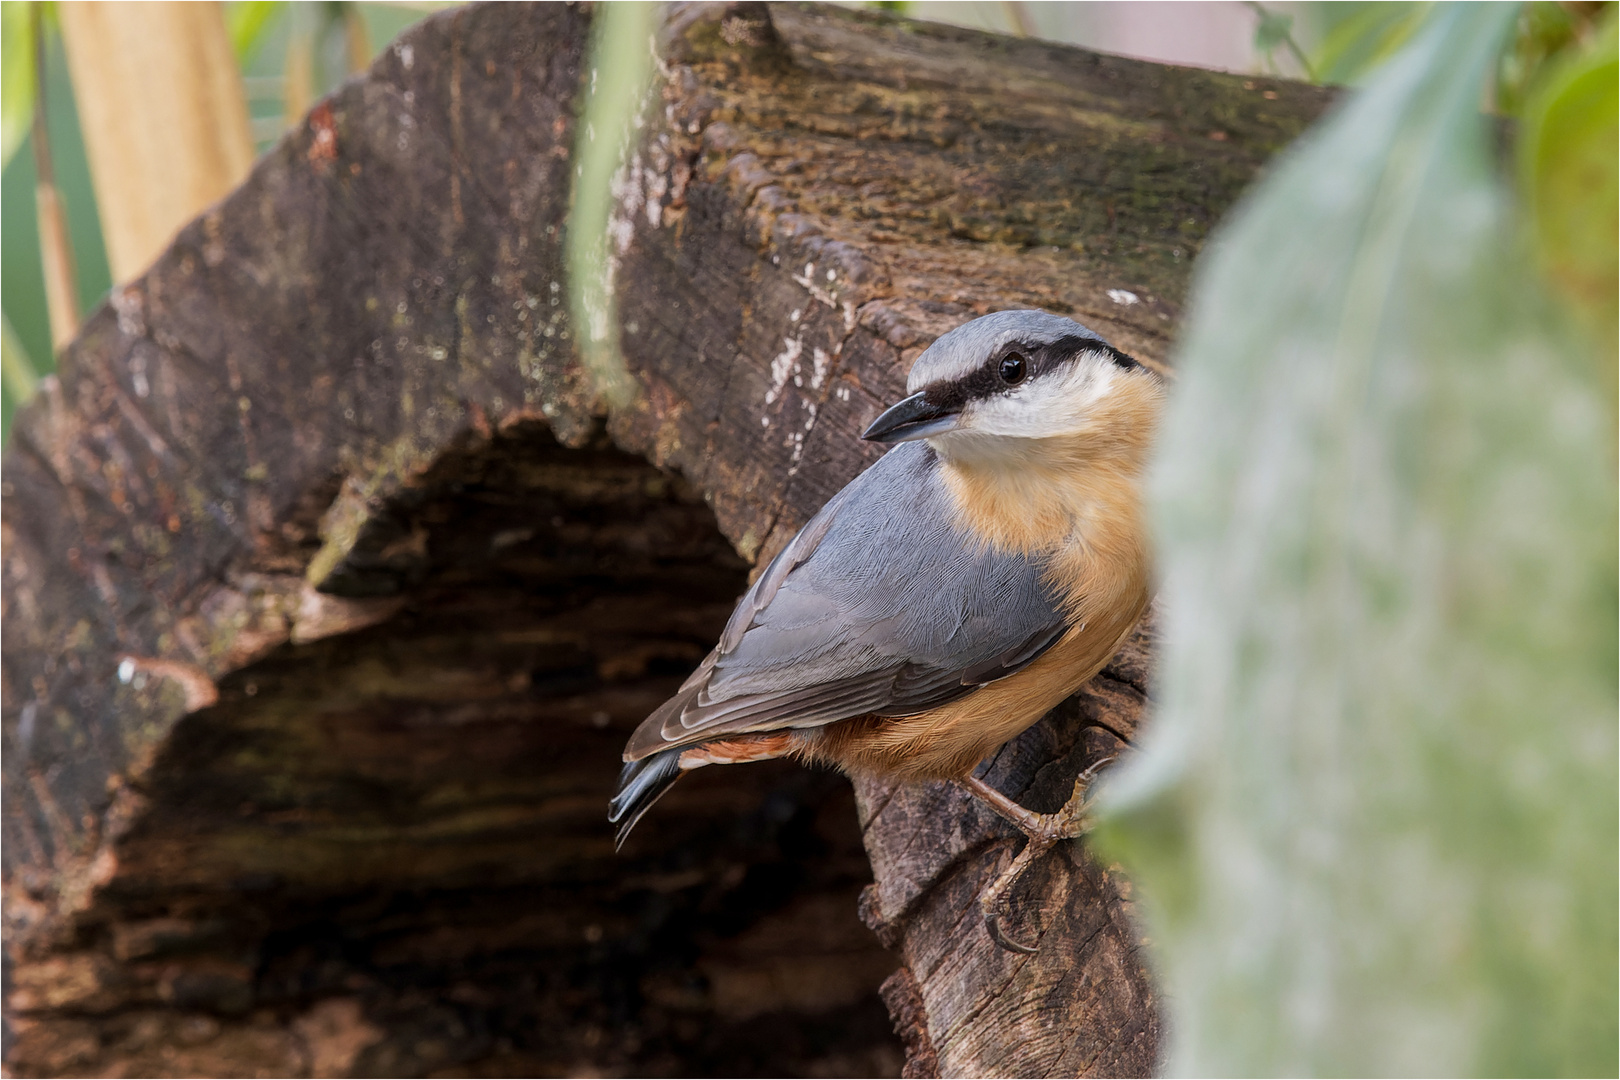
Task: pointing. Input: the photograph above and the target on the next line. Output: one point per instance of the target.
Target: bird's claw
(991, 899)
(992, 923)
(1043, 831)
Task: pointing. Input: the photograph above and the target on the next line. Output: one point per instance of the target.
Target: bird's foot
(1043, 830)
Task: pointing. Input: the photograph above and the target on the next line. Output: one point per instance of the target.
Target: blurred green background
(289, 54)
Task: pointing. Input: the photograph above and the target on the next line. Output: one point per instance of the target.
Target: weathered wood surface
(331, 589)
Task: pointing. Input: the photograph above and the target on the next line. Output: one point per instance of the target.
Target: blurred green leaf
(619, 73)
(247, 21)
(1568, 169)
(1373, 820)
(1545, 29)
(17, 371)
(1361, 37)
(1275, 30)
(19, 22)
(1272, 30)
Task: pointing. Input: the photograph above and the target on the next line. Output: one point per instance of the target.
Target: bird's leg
(1043, 831)
(990, 899)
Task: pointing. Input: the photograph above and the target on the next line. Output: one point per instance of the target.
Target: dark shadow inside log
(405, 825)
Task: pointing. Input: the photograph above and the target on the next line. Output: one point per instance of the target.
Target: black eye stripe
(1065, 347)
(956, 393)
(1038, 359)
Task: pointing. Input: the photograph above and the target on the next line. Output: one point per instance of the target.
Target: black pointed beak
(914, 417)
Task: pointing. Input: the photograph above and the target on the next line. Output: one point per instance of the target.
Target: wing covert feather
(881, 604)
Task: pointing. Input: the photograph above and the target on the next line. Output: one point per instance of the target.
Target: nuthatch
(951, 594)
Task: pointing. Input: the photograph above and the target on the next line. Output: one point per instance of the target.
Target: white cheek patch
(1057, 403)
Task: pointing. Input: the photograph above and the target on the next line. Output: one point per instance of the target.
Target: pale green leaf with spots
(1373, 820)
(1570, 172)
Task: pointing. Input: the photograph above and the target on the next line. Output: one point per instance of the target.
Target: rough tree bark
(331, 589)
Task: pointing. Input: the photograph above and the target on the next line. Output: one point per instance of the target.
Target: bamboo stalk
(164, 118)
(356, 40)
(56, 260)
(55, 245)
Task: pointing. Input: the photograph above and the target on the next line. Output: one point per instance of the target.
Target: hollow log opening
(332, 589)
(385, 852)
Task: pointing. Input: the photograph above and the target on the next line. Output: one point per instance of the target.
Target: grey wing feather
(881, 604)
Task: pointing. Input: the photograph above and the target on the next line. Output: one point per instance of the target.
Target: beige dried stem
(55, 246)
(164, 118)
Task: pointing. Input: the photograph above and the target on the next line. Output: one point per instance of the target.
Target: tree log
(332, 589)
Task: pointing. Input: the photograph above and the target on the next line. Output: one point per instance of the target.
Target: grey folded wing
(880, 605)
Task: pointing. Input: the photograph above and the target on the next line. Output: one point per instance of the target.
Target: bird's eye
(1013, 369)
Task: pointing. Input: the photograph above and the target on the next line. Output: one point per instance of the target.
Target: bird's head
(1017, 387)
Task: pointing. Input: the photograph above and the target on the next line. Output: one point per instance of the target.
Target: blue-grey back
(894, 580)
(882, 604)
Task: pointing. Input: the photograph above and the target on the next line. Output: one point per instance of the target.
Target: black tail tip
(641, 783)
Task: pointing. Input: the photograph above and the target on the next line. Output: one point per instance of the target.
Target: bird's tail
(641, 784)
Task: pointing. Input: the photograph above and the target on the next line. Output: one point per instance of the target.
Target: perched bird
(950, 595)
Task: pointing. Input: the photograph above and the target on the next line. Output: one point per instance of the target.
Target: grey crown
(961, 351)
